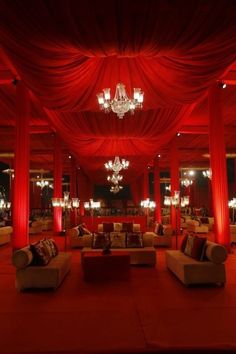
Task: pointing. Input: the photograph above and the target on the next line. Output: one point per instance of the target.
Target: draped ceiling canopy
(66, 51)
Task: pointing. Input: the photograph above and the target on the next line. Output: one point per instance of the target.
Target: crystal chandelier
(121, 103)
(147, 203)
(117, 165)
(207, 174)
(65, 202)
(115, 189)
(186, 182)
(115, 178)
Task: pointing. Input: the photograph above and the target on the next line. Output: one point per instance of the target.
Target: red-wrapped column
(218, 168)
(174, 180)
(157, 191)
(20, 236)
(57, 189)
(73, 214)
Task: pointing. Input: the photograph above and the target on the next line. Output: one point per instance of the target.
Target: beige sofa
(162, 240)
(36, 227)
(191, 271)
(48, 276)
(194, 226)
(76, 241)
(5, 234)
(118, 227)
(138, 256)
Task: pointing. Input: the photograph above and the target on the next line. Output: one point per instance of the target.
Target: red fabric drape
(73, 194)
(174, 58)
(157, 190)
(146, 184)
(174, 181)
(218, 167)
(135, 193)
(21, 181)
(57, 183)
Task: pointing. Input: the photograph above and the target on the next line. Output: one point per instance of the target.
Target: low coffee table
(97, 266)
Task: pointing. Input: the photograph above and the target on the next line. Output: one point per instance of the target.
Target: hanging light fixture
(92, 204)
(186, 182)
(115, 178)
(147, 203)
(115, 189)
(117, 165)
(121, 103)
(207, 174)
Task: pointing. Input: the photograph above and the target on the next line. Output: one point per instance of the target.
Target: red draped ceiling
(68, 51)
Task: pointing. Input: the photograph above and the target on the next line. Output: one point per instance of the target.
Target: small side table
(97, 266)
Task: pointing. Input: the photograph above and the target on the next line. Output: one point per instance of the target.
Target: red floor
(151, 312)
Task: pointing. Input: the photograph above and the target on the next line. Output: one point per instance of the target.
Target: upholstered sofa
(32, 276)
(117, 227)
(192, 271)
(162, 240)
(36, 227)
(138, 256)
(196, 226)
(76, 241)
(5, 234)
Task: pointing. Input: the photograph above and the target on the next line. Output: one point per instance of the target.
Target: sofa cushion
(40, 253)
(118, 240)
(100, 240)
(189, 245)
(22, 258)
(50, 246)
(108, 227)
(183, 243)
(204, 220)
(134, 240)
(198, 248)
(127, 227)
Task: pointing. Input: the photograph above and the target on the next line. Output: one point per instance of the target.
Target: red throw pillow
(127, 227)
(108, 227)
(134, 240)
(198, 248)
(41, 256)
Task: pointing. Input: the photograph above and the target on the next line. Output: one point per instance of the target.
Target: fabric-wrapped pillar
(21, 181)
(73, 194)
(157, 191)
(174, 180)
(218, 168)
(57, 190)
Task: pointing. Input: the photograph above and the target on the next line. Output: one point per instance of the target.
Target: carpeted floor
(151, 312)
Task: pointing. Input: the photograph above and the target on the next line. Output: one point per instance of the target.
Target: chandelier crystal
(147, 203)
(121, 103)
(115, 189)
(115, 178)
(117, 165)
(186, 182)
(207, 174)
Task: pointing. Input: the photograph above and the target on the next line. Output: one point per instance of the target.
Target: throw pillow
(134, 240)
(108, 227)
(118, 240)
(183, 244)
(160, 230)
(198, 248)
(40, 254)
(100, 240)
(156, 228)
(204, 220)
(80, 230)
(189, 245)
(127, 227)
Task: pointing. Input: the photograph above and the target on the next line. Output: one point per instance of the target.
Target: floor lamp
(232, 204)
(91, 205)
(176, 201)
(66, 204)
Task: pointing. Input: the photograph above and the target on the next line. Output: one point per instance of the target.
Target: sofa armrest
(148, 239)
